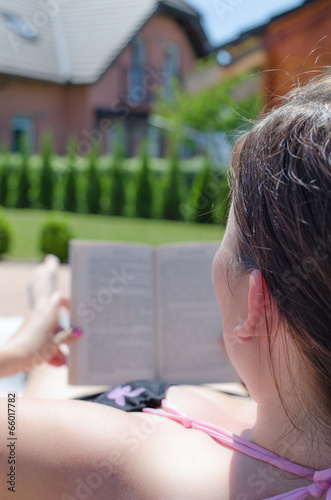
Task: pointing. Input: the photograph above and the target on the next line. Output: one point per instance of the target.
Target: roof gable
(35, 58)
(77, 40)
(181, 6)
(256, 30)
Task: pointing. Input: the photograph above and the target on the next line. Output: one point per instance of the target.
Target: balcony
(141, 84)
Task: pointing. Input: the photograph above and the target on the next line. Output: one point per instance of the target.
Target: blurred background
(118, 117)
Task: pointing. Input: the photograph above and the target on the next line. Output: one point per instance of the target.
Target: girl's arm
(63, 450)
(37, 340)
(72, 450)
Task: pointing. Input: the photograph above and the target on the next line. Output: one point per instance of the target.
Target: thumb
(67, 336)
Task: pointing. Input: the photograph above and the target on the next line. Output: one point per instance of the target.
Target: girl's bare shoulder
(73, 449)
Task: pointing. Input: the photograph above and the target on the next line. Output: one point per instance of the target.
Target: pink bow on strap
(321, 479)
(320, 486)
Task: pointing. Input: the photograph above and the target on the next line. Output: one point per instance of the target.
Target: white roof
(74, 40)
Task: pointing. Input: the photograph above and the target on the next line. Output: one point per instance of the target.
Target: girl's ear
(259, 310)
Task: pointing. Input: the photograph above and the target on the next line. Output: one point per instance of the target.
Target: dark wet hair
(281, 175)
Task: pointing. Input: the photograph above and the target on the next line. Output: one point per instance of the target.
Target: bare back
(68, 449)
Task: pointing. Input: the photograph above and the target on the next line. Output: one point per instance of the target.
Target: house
(79, 68)
(289, 48)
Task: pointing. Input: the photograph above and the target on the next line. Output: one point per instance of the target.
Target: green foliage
(144, 194)
(224, 200)
(70, 184)
(4, 172)
(211, 109)
(47, 175)
(5, 235)
(117, 189)
(204, 194)
(23, 188)
(172, 192)
(54, 238)
(125, 181)
(93, 191)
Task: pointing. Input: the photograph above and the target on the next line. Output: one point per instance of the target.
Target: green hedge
(5, 234)
(104, 184)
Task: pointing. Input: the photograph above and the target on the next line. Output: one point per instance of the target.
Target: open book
(146, 313)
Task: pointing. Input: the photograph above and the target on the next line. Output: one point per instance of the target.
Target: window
(116, 136)
(19, 26)
(170, 70)
(136, 73)
(22, 127)
(136, 133)
(154, 141)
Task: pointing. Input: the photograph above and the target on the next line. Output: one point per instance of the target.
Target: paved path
(14, 277)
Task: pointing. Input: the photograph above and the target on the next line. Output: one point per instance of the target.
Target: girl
(272, 276)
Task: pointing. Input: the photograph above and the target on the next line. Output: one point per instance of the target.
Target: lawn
(26, 225)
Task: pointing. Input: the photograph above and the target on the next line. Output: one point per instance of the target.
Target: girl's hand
(38, 339)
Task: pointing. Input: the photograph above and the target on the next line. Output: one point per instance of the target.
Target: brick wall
(71, 110)
(298, 47)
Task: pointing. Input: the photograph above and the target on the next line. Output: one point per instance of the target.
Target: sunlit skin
(61, 444)
(240, 300)
(246, 314)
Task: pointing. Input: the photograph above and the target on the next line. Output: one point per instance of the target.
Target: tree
(5, 234)
(117, 189)
(70, 187)
(46, 192)
(172, 192)
(144, 194)
(223, 203)
(4, 172)
(204, 194)
(23, 188)
(214, 109)
(93, 192)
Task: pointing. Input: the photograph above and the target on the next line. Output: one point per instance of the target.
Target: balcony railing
(141, 86)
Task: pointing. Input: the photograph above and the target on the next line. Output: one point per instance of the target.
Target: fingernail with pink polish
(77, 332)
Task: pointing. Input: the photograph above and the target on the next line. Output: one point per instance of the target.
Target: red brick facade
(88, 111)
(298, 47)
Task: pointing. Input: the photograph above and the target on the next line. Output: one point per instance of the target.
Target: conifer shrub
(144, 194)
(46, 188)
(117, 187)
(5, 234)
(93, 190)
(171, 202)
(23, 187)
(204, 195)
(224, 200)
(4, 173)
(54, 238)
(70, 183)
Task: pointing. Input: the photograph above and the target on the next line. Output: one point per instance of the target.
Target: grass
(26, 225)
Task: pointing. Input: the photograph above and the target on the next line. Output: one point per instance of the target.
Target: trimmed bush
(93, 191)
(204, 195)
(144, 195)
(54, 238)
(23, 188)
(224, 200)
(117, 189)
(46, 193)
(70, 184)
(172, 192)
(4, 172)
(5, 235)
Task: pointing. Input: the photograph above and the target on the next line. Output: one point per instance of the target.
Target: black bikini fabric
(132, 396)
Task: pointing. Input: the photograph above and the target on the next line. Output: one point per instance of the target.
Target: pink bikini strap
(321, 479)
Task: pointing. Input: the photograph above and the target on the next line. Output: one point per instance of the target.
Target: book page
(188, 320)
(112, 301)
